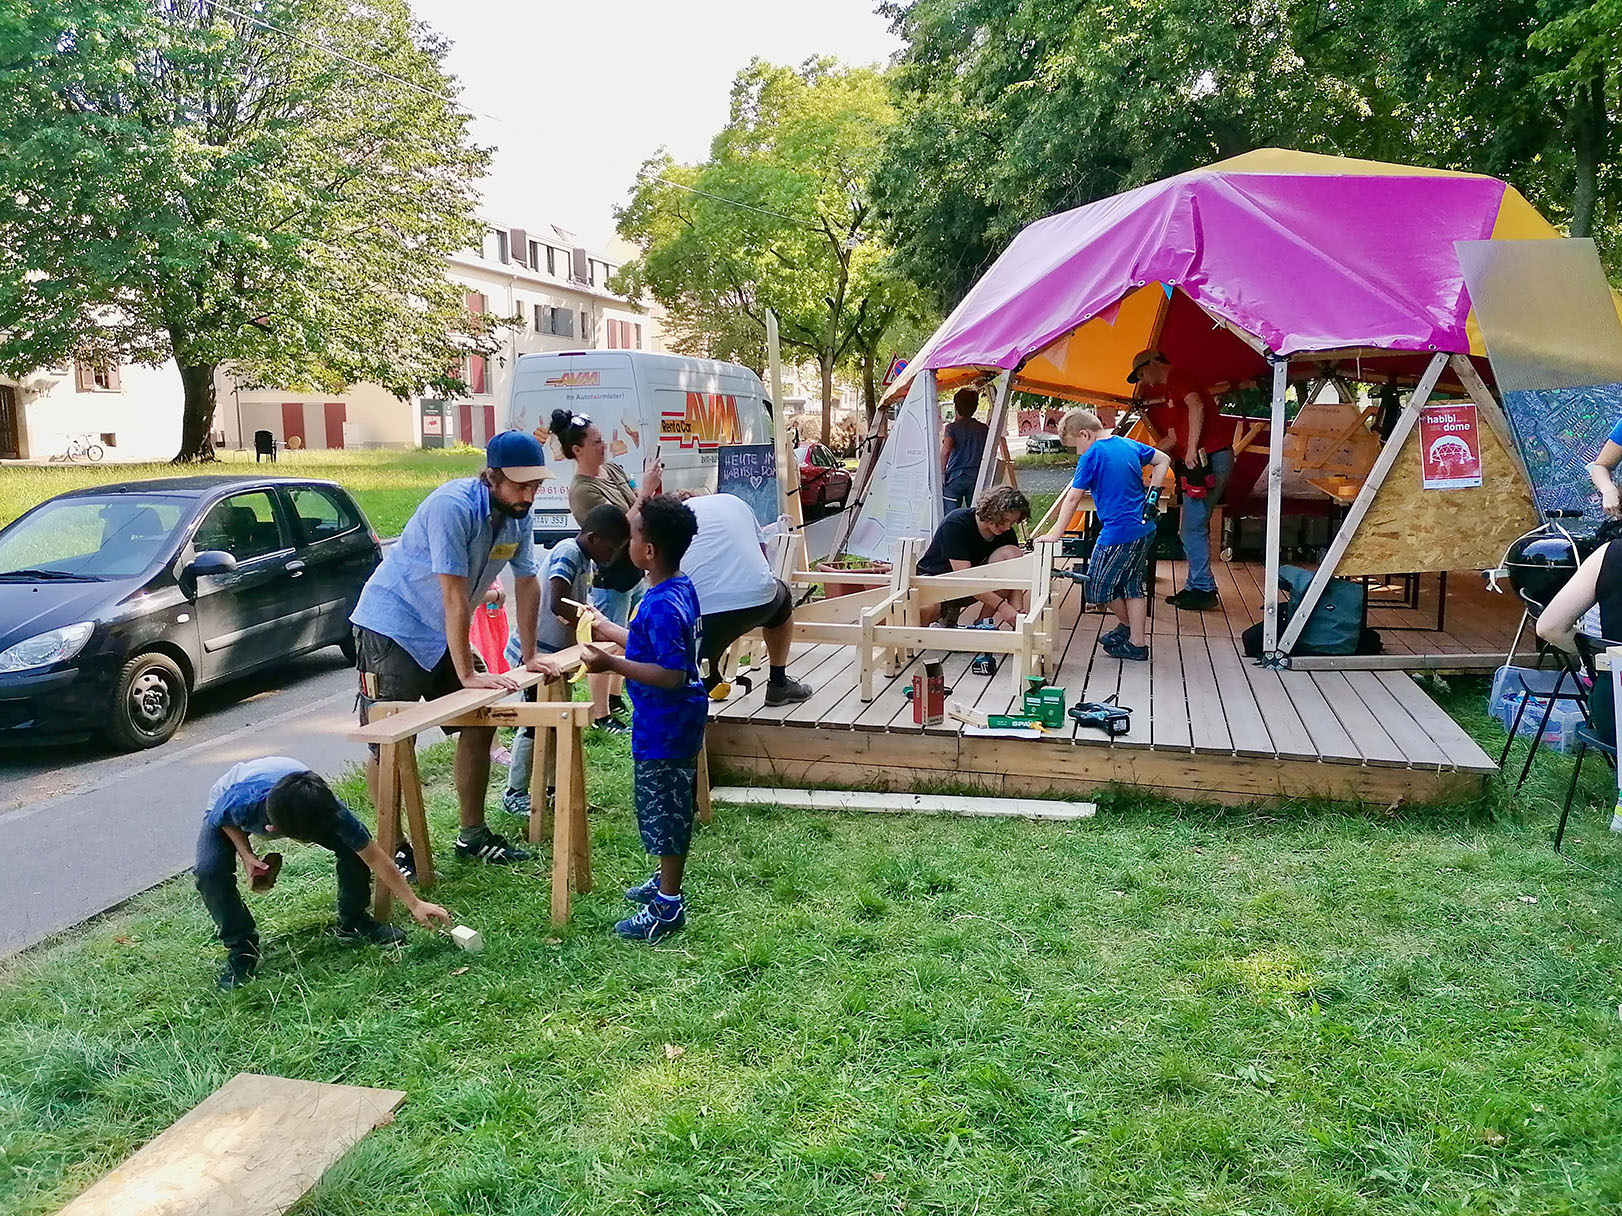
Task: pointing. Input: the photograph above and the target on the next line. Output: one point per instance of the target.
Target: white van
(642, 402)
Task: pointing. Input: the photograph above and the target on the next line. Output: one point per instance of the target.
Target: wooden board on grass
(251, 1148)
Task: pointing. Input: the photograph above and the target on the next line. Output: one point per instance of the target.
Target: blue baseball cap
(519, 455)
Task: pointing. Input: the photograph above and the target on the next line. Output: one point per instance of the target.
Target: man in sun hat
(1200, 439)
(411, 624)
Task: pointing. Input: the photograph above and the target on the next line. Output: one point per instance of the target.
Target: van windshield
(89, 539)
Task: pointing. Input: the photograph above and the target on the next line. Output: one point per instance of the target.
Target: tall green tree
(1012, 110)
(778, 217)
(228, 187)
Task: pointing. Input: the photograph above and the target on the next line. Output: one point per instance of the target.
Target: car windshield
(116, 536)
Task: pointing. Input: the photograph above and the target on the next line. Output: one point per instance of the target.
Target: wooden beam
(1275, 507)
(788, 468)
(1299, 613)
(915, 804)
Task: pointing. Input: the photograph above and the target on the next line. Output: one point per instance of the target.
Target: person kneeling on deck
(737, 591)
(1111, 469)
(278, 797)
(411, 624)
(978, 536)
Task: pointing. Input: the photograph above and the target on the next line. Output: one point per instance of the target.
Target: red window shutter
(489, 423)
(475, 374)
(475, 302)
(520, 246)
(335, 412)
(84, 375)
(114, 383)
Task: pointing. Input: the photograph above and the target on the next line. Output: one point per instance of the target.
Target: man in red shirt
(1186, 417)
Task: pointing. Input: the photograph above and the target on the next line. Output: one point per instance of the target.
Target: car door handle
(295, 568)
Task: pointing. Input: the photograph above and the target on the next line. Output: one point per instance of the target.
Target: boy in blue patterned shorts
(1110, 467)
(660, 666)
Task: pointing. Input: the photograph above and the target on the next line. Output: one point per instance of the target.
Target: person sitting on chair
(978, 536)
(1596, 585)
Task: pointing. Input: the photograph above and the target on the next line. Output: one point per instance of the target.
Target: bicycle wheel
(94, 452)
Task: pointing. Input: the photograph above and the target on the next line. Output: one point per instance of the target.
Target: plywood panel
(251, 1148)
(1411, 528)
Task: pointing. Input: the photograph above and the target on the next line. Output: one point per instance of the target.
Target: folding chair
(1587, 737)
(1569, 670)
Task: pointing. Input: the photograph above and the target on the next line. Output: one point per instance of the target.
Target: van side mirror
(210, 561)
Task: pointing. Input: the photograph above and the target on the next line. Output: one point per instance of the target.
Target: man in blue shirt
(1602, 472)
(1111, 468)
(278, 797)
(414, 614)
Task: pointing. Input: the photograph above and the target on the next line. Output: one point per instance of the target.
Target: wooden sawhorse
(559, 761)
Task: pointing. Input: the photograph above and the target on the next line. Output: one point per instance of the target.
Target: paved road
(83, 828)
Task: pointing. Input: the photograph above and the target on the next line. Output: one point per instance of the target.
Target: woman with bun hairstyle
(618, 586)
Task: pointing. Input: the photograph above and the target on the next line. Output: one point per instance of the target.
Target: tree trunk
(825, 361)
(870, 388)
(197, 420)
(1588, 148)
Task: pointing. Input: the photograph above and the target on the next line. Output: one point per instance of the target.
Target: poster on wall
(749, 471)
(1449, 447)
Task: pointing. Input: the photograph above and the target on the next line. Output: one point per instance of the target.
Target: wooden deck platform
(1207, 723)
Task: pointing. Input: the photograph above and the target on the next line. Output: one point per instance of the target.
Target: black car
(118, 602)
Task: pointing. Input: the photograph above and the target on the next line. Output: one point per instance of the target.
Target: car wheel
(150, 702)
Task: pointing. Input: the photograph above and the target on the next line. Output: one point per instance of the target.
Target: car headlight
(43, 649)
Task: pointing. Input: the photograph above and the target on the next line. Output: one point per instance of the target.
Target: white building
(558, 287)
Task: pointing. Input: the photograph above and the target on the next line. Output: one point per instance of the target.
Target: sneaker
(644, 894)
(985, 665)
(610, 725)
(654, 920)
(239, 969)
(1126, 651)
(502, 756)
(491, 848)
(616, 705)
(1192, 599)
(1115, 636)
(787, 692)
(405, 861)
(515, 802)
(367, 931)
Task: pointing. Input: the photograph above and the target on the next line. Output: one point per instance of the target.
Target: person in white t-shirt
(737, 591)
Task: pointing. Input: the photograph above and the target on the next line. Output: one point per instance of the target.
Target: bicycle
(79, 448)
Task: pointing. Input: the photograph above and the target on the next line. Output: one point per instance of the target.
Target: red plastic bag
(488, 634)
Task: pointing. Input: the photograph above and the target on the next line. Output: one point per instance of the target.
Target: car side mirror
(210, 561)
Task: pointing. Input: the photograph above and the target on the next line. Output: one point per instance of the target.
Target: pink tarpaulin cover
(1303, 262)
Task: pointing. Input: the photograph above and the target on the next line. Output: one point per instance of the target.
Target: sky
(573, 97)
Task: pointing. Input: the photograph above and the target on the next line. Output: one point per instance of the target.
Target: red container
(929, 695)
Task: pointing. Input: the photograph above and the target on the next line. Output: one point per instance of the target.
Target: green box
(1046, 703)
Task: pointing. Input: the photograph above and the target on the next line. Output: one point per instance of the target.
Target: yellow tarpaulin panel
(1096, 356)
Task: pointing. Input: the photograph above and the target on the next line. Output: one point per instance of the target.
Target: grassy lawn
(1167, 1009)
(1044, 460)
(387, 484)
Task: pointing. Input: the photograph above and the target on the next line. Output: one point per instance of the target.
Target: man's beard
(513, 510)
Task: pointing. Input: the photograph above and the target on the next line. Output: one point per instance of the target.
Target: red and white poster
(1449, 447)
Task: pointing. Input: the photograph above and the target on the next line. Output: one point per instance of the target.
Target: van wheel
(149, 704)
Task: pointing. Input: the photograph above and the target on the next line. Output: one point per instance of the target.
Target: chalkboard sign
(749, 471)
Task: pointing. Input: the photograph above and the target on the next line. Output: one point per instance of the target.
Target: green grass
(1044, 460)
(1168, 1009)
(387, 484)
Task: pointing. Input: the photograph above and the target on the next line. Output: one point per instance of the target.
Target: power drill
(1105, 715)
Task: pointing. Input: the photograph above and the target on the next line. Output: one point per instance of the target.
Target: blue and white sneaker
(515, 802)
(655, 920)
(1114, 637)
(644, 894)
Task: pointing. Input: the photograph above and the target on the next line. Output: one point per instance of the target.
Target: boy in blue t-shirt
(1110, 467)
(660, 666)
(279, 797)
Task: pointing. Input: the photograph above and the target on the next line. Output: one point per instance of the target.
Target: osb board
(250, 1148)
(1409, 529)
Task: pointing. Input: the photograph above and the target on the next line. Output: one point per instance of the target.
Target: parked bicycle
(80, 447)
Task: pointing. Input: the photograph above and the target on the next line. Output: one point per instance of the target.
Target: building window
(97, 377)
(585, 328)
(535, 248)
(503, 246)
(476, 303)
(563, 322)
(475, 376)
(541, 326)
(636, 343)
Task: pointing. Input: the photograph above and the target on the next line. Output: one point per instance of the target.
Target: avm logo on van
(709, 420)
(575, 380)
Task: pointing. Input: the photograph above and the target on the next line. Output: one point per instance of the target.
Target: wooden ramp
(1207, 723)
(251, 1148)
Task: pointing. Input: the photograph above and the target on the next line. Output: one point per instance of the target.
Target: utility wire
(731, 202)
(350, 59)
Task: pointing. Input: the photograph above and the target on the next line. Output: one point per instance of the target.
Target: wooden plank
(1206, 722)
(1419, 748)
(821, 663)
(1133, 689)
(1247, 724)
(1367, 735)
(1169, 725)
(890, 701)
(915, 804)
(1291, 739)
(1461, 750)
(1329, 737)
(387, 796)
(251, 1148)
(1401, 662)
(410, 784)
